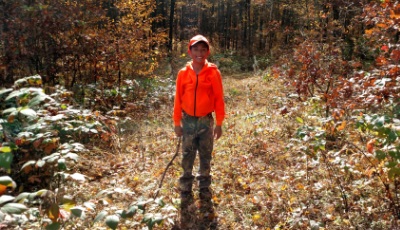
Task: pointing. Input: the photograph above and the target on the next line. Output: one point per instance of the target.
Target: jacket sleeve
(219, 98)
(177, 116)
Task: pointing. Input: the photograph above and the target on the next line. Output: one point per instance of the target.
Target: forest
(311, 139)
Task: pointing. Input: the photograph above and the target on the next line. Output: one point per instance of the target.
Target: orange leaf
(380, 61)
(3, 189)
(300, 186)
(370, 145)
(370, 82)
(381, 25)
(342, 126)
(395, 14)
(105, 136)
(385, 48)
(369, 32)
(11, 118)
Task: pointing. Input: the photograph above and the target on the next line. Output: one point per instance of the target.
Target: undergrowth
(278, 165)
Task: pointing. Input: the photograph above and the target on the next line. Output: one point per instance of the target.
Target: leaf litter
(261, 177)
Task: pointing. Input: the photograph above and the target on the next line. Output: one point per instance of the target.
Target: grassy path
(258, 182)
(248, 162)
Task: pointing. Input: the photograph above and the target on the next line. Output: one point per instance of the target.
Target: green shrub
(41, 140)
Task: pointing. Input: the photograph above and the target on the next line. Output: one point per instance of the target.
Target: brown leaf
(37, 143)
(50, 147)
(33, 179)
(53, 212)
(395, 55)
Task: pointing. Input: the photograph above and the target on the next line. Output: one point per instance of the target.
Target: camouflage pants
(197, 138)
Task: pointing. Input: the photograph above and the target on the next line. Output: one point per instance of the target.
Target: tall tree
(171, 25)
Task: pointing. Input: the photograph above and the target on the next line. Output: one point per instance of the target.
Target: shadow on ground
(194, 217)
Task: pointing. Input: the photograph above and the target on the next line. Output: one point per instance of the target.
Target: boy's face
(199, 52)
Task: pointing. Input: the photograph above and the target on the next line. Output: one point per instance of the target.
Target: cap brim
(195, 42)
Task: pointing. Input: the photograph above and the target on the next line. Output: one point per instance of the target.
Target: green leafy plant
(384, 142)
(383, 134)
(151, 211)
(148, 212)
(9, 204)
(314, 138)
(42, 138)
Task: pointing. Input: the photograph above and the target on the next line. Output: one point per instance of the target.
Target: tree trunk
(249, 24)
(228, 27)
(171, 25)
(220, 24)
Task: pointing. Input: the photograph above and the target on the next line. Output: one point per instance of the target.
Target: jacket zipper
(195, 93)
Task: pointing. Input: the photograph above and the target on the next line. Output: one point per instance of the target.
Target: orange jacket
(199, 95)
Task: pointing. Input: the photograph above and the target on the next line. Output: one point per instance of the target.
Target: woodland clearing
(311, 138)
(262, 179)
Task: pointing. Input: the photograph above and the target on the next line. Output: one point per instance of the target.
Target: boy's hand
(178, 131)
(217, 132)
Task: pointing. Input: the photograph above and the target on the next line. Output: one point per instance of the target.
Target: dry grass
(248, 163)
(258, 182)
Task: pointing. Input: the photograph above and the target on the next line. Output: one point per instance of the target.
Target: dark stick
(169, 164)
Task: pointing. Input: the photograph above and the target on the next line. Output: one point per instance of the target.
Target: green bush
(41, 139)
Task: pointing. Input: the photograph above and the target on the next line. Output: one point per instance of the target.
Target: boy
(199, 93)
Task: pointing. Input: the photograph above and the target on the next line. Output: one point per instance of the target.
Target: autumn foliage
(87, 46)
(311, 139)
(356, 95)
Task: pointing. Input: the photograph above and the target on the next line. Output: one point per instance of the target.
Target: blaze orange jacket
(199, 95)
